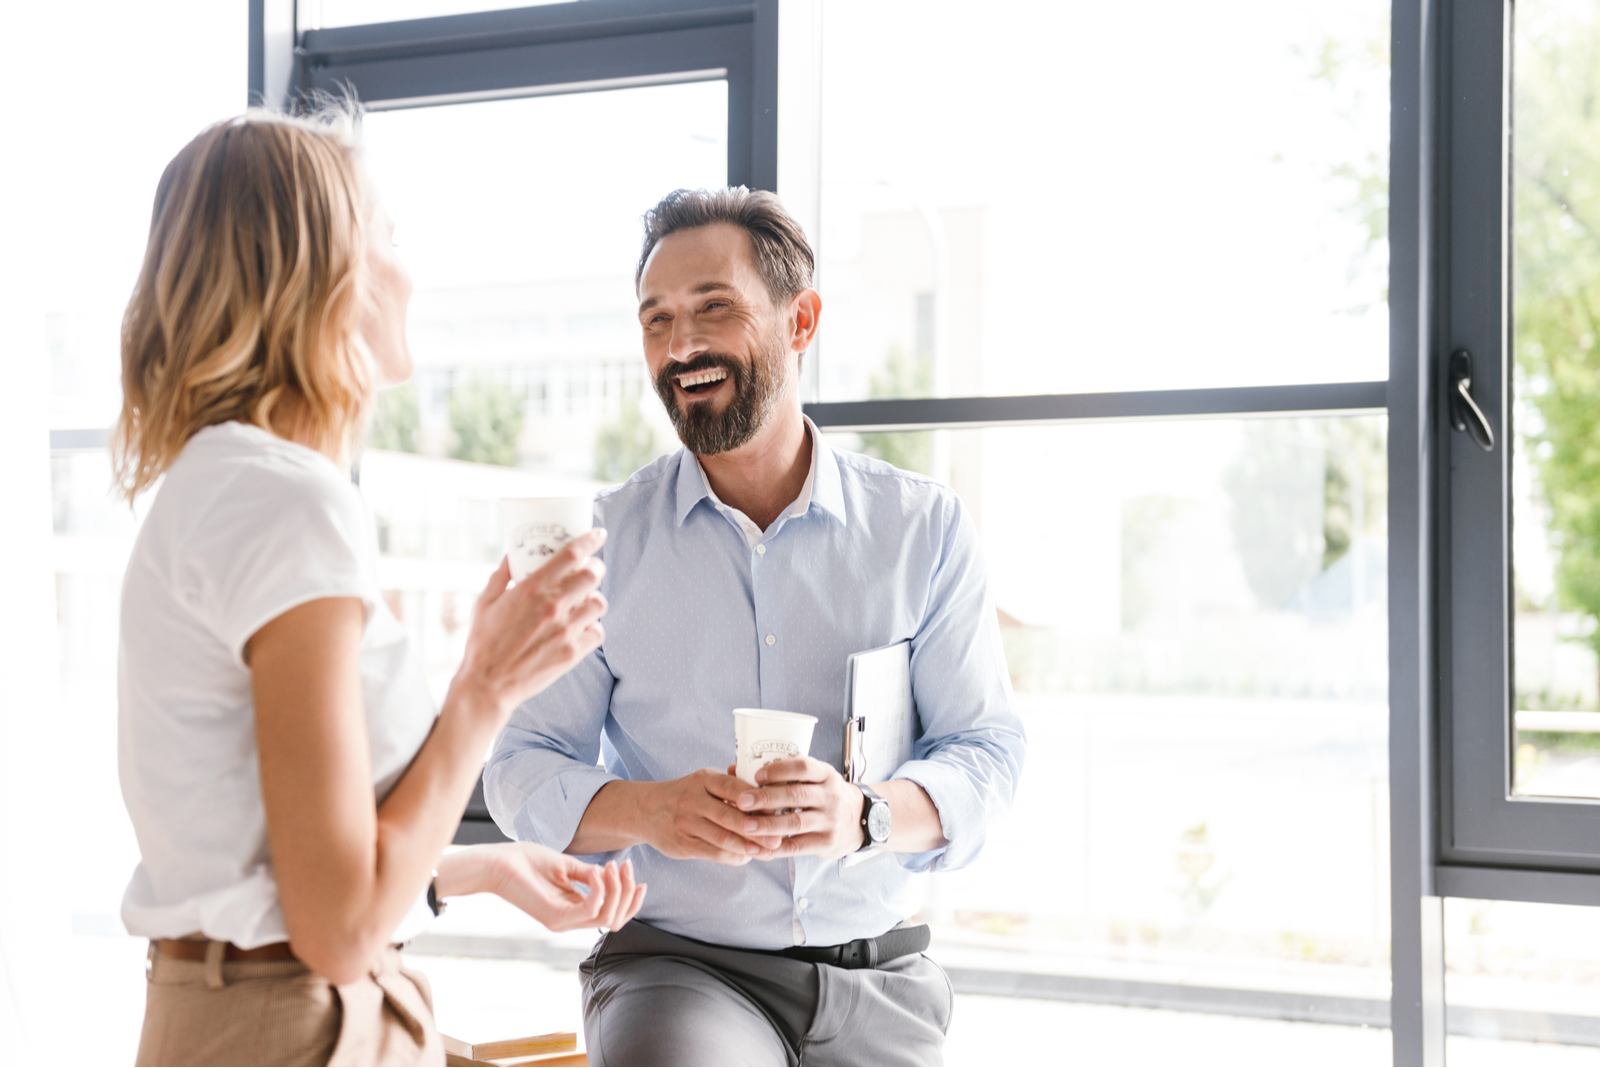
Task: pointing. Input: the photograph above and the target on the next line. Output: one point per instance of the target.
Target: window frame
(590, 46)
(1482, 826)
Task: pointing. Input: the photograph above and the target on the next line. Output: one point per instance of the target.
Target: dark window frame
(555, 48)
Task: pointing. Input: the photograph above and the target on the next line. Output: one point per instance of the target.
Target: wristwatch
(876, 820)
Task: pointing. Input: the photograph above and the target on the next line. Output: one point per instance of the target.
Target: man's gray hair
(783, 256)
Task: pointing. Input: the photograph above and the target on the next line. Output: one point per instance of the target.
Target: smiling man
(742, 571)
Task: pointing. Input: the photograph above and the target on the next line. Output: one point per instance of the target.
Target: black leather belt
(865, 952)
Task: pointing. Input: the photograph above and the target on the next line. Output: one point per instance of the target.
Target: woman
(290, 782)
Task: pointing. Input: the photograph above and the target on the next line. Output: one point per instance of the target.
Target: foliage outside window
(396, 418)
(624, 444)
(486, 416)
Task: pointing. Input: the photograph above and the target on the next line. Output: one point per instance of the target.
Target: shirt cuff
(550, 815)
(961, 816)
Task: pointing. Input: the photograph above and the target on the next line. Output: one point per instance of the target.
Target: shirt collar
(822, 488)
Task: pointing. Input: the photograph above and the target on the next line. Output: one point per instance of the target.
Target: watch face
(878, 823)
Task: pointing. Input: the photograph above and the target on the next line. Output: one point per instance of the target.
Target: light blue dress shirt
(701, 622)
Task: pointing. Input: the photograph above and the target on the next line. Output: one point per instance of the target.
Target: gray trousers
(650, 997)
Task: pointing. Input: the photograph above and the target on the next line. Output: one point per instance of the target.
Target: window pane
(1053, 198)
(1518, 972)
(1195, 627)
(1555, 484)
(520, 223)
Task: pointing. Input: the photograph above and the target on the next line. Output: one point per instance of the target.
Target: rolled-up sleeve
(542, 772)
(969, 758)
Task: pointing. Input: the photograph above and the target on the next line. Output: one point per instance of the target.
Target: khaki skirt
(281, 1012)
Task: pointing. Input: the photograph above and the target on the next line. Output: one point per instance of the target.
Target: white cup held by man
(762, 736)
(537, 527)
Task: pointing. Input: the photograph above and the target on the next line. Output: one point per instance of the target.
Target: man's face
(713, 339)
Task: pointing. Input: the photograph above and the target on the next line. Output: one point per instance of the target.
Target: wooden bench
(558, 1048)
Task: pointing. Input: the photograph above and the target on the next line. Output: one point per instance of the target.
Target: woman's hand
(540, 882)
(526, 636)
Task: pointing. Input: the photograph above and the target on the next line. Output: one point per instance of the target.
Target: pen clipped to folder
(880, 719)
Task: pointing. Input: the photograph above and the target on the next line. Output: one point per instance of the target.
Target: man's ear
(805, 311)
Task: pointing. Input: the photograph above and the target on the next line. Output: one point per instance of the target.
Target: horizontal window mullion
(1327, 398)
(493, 30)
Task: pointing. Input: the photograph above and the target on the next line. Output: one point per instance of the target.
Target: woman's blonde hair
(250, 293)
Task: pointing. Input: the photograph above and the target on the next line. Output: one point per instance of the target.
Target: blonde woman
(291, 784)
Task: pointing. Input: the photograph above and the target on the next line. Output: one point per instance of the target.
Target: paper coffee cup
(536, 527)
(761, 736)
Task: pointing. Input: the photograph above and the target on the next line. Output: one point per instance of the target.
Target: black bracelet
(434, 903)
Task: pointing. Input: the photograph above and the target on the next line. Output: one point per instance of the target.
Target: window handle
(1465, 415)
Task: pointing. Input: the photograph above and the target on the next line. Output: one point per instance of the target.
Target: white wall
(100, 95)
(31, 915)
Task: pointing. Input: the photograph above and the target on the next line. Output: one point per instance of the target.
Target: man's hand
(824, 817)
(693, 818)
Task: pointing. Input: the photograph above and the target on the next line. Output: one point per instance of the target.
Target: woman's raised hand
(526, 636)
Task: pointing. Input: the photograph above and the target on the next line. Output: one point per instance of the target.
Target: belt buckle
(859, 954)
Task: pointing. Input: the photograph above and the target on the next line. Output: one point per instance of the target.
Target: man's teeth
(702, 377)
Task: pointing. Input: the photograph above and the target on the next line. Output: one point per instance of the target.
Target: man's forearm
(614, 819)
(916, 819)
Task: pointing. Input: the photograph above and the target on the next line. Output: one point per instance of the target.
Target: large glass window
(1555, 479)
(1058, 198)
(520, 223)
(1194, 618)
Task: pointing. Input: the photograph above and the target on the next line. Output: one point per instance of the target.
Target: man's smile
(697, 382)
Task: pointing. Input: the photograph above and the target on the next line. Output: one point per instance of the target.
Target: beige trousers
(281, 1012)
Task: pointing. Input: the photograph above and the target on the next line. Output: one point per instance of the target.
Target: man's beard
(756, 388)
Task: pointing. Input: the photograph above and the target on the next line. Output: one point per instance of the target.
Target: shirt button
(761, 550)
(804, 904)
(771, 640)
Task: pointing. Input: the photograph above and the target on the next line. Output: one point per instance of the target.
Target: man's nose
(685, 343)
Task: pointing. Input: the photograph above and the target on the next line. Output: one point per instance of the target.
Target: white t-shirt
(245, 527)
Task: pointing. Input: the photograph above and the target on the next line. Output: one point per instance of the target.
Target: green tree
(1556, 253)
(1355, 484)
(1356, 73)
(625, 444)
(902, 376)
(395, 419)
(487, 418)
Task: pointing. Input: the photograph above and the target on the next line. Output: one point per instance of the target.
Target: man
(742, 571)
